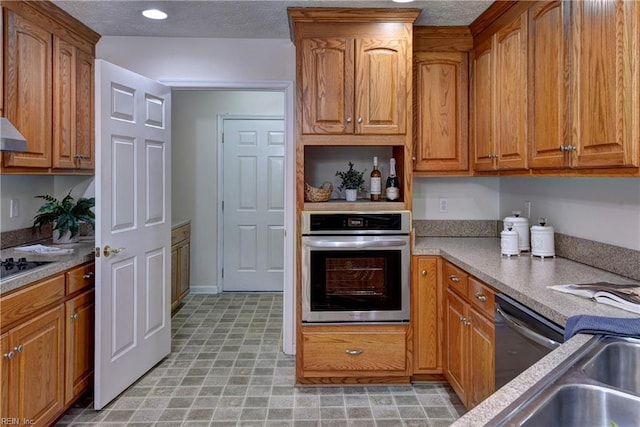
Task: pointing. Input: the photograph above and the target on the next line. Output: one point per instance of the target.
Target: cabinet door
(5, 365)
(84, 138)
(327, 85)
(483, 107)
(79, 312)
(511, 95)
(28, 96)
(605, 83)
(381, 86)
(183, 279)
(548, 106)
(442, 92)
(456, 345)
(426, 331)
(64, 104)
(175, 274)
(481, 358)
(37, 374)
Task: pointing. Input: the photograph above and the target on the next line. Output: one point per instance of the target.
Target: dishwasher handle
(523, 330)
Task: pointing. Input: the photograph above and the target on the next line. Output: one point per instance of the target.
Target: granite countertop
(525, 279)
(82, 252)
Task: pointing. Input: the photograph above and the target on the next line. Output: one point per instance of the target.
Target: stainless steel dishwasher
(522, 338)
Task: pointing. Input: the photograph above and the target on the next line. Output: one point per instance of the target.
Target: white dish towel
(44, 250)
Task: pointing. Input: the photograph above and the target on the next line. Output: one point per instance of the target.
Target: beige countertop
(82, 252)
(525, 279)
(176, 222)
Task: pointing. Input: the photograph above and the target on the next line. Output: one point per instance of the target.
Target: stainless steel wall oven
(355, 266)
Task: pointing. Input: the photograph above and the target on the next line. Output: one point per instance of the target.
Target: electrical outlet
(444, 205)
(14, 209)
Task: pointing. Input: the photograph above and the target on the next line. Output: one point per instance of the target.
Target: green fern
(66, 214)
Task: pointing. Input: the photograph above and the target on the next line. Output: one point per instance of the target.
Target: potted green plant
(352, 181)
(66, 216)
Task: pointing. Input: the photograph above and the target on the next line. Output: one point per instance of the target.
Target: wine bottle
(392, 190)
(376, 182)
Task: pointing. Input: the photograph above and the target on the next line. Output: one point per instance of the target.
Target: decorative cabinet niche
(48, 89)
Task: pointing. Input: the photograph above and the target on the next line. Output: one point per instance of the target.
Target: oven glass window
(355, 280)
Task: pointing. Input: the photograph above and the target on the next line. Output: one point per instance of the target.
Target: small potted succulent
(352, 181)
(66, 216)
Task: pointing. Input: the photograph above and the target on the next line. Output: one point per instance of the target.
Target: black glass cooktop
(11, 266)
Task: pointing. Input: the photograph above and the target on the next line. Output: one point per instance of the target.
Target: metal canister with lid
(542, 240)
(521, 226)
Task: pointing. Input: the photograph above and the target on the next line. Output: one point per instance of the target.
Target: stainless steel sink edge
(568, 374)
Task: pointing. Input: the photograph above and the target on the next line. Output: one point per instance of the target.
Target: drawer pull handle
(18, 349)
(424, 272)
(9, 355)
(480, 297)
(354, 352)
(454, 279)
(74, 316)
(89, 275)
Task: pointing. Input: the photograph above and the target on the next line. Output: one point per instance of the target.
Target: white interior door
(133, 207)
(253, 197)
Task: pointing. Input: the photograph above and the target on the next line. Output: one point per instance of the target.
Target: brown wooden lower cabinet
(469, 339)
(47, 346)
(426, 313)
(180, 264)
(349, 353)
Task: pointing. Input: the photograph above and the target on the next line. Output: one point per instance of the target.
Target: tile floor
(227, 369)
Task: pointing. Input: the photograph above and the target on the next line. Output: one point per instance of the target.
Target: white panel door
(253, 197)
(133, 217)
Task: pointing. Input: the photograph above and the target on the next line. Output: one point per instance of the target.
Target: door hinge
(223, 205)
(223, 272)
(223, 138)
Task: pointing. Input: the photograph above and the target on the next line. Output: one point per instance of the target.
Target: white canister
(542, 240)
(509, 241)
(521, 226)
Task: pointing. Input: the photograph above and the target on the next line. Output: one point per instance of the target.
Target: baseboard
(204, 289)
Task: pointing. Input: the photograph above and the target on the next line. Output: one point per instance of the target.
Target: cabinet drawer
(482, 297)
(29, 300)
(455, 278)
(353, 353)
(81, 277)
(181, 233)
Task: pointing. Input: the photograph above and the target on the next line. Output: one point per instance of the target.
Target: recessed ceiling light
(154, 14)
(402, 1)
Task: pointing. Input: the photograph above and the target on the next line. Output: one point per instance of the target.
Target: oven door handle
(360, 244)
(523, 330)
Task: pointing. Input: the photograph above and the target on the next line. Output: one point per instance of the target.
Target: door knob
(423, 272)
(108, 250)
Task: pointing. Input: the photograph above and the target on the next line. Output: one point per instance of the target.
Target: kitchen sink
(586, 405)
(617, 364)
(599, 385)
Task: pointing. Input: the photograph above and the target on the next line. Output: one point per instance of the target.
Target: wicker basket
(322, 194)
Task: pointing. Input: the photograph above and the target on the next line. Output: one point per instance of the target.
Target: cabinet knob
(563, 148)
(9, 355)
(423, 272)
(480, 297)
(359, 119)
(74, 316)
(89, 275)
(349, 120)
(354, 352)
(18, 348)
(454, 279)
(466, 322)
(572, 148)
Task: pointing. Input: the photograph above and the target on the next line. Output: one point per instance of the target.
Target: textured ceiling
(239, 18)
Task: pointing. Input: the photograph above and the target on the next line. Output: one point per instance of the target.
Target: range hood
(10, 138)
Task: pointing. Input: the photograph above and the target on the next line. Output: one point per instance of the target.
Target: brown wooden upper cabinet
(442, 92)
(591, 119)
(48, 88)
(499, 99)
(354, 68)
